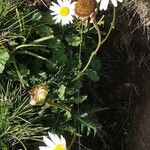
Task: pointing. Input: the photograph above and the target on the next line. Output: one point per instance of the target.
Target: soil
(124, 87)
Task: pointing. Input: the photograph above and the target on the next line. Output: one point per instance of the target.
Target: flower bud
(38, 94)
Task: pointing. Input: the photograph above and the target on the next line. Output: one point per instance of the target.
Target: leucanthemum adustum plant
(89, 12)
(51, 55)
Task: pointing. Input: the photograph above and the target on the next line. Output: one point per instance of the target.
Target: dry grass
(142, 9)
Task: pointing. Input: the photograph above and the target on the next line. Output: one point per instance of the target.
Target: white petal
(48, 142)
(104, 4)
(71, 11)
(54, 13)
(66, 2)
(63, 141)
(69, 18)
(55, 5)
(69, 1)
(58, 20)
(98, 1)
(56, 17)
(52, 8)
(43, 148)
(120, 0)
(64, 22)
(60, 2)
(114, 2)
(73, 4)
(54, 138)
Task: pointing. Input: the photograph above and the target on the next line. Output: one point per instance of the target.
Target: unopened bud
(38, 94)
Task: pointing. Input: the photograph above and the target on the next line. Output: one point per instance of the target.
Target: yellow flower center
(64, 11)
(60, 147)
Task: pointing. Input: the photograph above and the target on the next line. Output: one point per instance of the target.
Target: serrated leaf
(80, 99)
(74, 40)
(69, 128)
(61, 92)
(43, 75)
(96, 64)
(44, 31)
(68, 114)
(4, 57)
(58, 52)
(88, 125)
(59, 56)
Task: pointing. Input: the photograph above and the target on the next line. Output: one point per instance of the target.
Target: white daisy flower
(104, 3)
(63, 12)
(54, 143)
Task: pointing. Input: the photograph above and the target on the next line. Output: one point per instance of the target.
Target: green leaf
(66, 127)
(93, 75)
(58, 52)
(4, 57)
(73, 40)
(78, 85)
(79, 99)
(44, 31)
(68, 114)
(88, 125)
(96, 64)
(43, 75)
(24, 71)
(61, 92)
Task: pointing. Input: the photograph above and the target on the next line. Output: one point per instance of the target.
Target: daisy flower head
(85, 10)
(63, 11)
(54, 143)
(104, 3)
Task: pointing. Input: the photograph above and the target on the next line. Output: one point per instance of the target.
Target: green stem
(57, 106)
(80, 49)
(19, 140)
(93, 53)
(100, 42)
(97, 48)
(34, 55)
(19, 19)
(111, 27)
(72, 141)
(27, 45)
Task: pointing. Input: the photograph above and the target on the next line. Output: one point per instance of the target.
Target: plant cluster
(47, 56)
